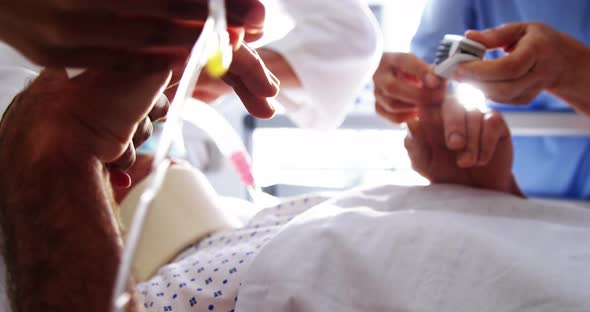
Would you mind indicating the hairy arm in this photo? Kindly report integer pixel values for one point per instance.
(574, 82)
(62, 244)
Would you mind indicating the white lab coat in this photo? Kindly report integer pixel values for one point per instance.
(334, 48)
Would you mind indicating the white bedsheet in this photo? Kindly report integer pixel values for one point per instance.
(438, 248)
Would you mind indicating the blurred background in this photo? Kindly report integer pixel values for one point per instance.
(365, 150)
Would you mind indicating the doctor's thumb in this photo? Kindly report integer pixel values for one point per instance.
(503, 36)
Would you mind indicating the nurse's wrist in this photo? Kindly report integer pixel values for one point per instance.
(573, 81)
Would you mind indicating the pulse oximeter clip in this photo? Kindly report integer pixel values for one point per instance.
(452, 51)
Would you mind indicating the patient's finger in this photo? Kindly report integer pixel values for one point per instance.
(160, 109)
(396, 118)
(454, 122)
(141, 168)
(404, 90)
(494, 129)
(414, 66)
(120, 179)
(143, 132)
(392, 105)
(468, 157)
(417, 147)
(126, 160)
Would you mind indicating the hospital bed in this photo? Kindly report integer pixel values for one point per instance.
(520, 123)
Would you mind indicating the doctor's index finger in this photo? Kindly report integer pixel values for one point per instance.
(249, 69)
(500, 37)
(509, 67)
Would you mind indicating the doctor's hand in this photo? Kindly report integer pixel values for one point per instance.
(448, 144)
(538, 58)
(99, 33)
(248, 76)
(402, 83)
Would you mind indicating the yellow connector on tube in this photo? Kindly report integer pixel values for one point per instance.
(219, 62)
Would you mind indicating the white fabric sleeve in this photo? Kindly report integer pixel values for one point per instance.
(334, 48)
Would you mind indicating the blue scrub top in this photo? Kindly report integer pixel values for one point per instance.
(544, 166)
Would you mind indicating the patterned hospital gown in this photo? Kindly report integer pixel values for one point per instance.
(206, 276)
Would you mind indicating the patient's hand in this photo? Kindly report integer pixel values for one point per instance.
(451, 145)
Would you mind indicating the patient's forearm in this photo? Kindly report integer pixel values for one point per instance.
(61, 242)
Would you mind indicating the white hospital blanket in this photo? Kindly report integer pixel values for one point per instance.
(437, 248)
